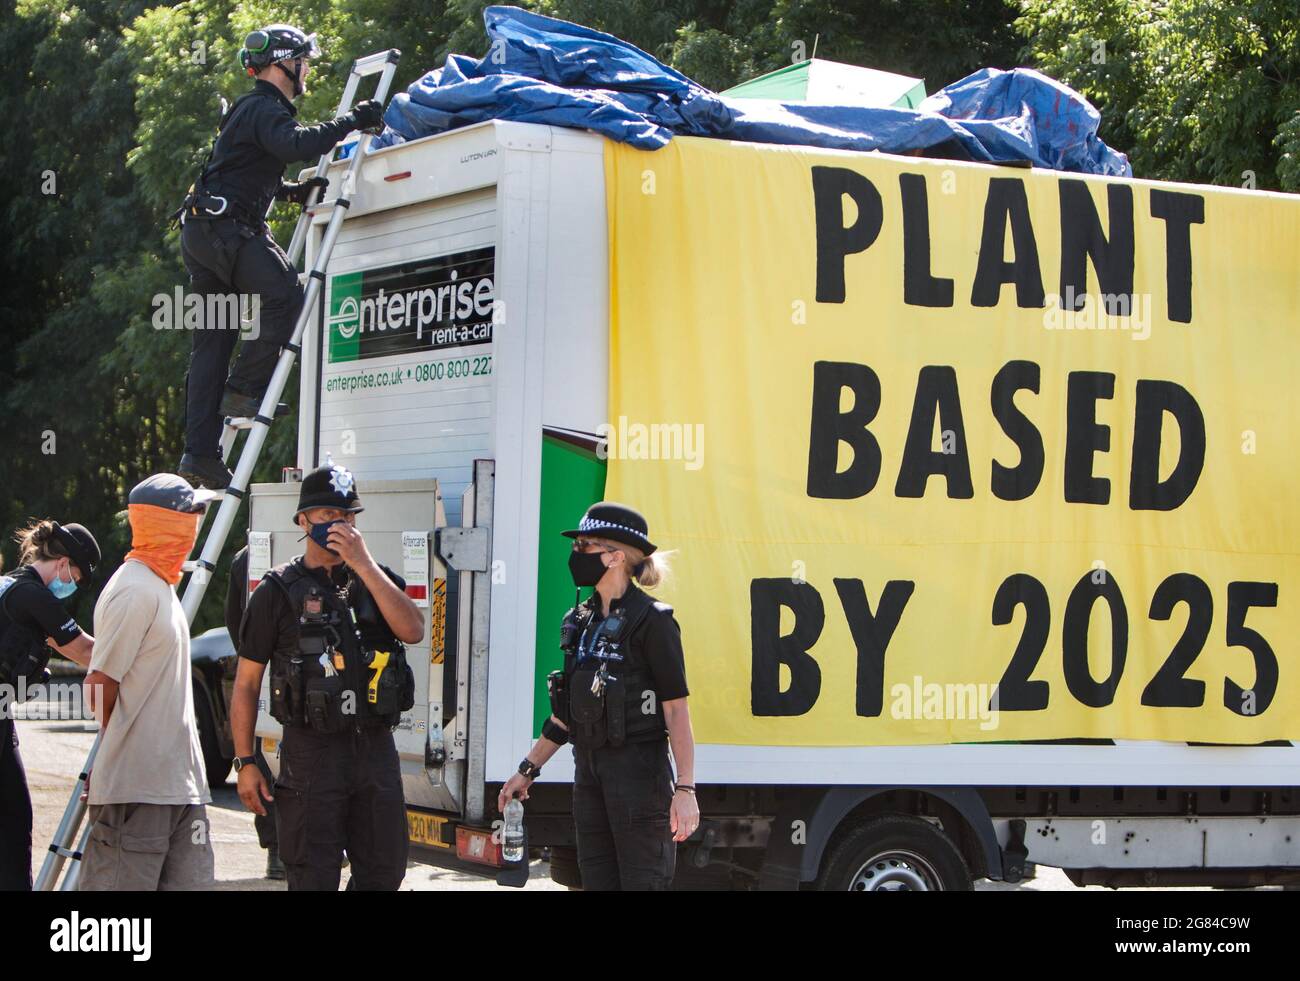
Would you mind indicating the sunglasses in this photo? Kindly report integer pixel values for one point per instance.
(586, 545)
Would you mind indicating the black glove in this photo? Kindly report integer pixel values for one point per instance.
(367, 115)
(298, 193)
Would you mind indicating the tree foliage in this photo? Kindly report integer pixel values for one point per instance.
(1194, 90)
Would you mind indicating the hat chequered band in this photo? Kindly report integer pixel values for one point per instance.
(595, 524)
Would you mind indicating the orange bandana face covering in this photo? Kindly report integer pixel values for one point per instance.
(162, 538)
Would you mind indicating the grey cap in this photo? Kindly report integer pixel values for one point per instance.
(166, 490)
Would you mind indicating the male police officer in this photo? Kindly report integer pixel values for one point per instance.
(331, 623)
(227, 247)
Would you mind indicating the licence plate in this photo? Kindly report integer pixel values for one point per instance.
(426, 829)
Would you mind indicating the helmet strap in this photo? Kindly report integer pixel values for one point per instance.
(295, 76)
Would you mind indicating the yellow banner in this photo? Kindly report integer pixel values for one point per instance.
(959, 453)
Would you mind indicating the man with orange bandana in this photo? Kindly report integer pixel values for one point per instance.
(149, 827)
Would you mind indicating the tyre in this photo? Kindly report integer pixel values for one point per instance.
(216, 765)
(894, 853)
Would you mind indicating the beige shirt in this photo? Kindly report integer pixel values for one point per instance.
(149, 753)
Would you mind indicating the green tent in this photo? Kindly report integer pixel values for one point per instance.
(833, 83)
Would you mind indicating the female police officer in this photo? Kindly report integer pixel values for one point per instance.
(55, 559)
(622, 691)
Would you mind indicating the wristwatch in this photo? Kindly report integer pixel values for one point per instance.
(529, 769)
(243, 761)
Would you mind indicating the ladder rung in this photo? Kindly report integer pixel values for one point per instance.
(248, 422)
(375, 62)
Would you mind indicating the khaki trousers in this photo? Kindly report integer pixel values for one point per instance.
(147, 847)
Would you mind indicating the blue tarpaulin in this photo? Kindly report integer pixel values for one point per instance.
(542, 70)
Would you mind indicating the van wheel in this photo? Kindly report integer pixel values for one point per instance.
(215, 764)
(894, 853)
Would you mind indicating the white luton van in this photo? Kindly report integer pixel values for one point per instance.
(460, 367)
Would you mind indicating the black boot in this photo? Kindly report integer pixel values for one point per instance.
(237, 405)
(274, 867)
(205, 471)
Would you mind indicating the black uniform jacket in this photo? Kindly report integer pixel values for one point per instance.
(259, 137)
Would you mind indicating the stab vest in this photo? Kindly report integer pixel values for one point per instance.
(371, 683)
(618, 713)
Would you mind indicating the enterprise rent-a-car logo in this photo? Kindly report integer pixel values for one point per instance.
(422, 305)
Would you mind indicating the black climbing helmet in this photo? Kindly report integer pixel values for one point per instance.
(278, 42)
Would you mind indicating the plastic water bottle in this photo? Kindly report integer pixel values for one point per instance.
(512, 835)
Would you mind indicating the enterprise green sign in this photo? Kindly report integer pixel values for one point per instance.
(413, 307)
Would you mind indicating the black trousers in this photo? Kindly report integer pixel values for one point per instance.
(337, 791)
(15, 814)
(223, 257)
(621, 797)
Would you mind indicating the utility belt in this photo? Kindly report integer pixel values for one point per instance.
(205, 206)
(304, 694)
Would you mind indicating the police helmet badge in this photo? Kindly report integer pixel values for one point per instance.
(341, 480)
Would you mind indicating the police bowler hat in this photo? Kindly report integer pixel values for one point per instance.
(617, 522)
(330, 486)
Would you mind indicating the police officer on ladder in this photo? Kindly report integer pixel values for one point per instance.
(331, 624)
(621, 698)
(227, 247)
(56, 559)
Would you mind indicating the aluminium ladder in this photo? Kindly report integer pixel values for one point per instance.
(384, 64)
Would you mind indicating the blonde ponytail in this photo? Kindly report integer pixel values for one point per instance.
(649, 571)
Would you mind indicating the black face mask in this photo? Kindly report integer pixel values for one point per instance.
(586, 568)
